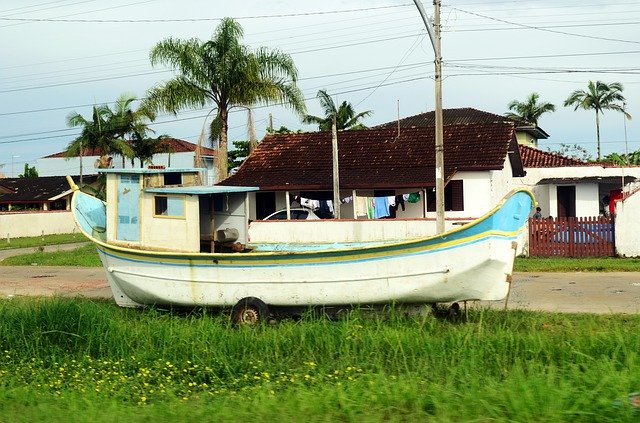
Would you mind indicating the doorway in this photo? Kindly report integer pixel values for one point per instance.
(567, 201)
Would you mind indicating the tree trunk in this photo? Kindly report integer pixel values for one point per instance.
(222, 166)
(598, 132)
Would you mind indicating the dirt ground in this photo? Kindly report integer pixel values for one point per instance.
(617, 292)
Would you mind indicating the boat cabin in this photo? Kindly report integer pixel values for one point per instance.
(168, 209)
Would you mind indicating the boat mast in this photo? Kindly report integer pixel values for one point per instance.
(436, 43)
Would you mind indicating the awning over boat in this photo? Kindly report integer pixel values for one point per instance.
(200, 189)
(154, 170)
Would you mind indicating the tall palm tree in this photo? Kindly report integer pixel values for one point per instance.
(529, 110)
(225, 73)
(599, 96)
(346, 117)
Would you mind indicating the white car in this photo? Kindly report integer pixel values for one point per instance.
(298, 213)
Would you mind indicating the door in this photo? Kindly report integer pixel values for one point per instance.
(566, 201)
(128, 208)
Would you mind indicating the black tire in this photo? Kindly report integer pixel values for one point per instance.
(249, 311)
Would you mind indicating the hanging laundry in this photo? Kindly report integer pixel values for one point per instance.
(381, 207)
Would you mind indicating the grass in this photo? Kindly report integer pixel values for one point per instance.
(84, 256)
(79, 360)
(38, 241)
(588, 264)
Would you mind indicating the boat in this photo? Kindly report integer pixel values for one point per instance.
(165, 240)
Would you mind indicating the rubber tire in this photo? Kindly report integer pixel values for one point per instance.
(249, 311)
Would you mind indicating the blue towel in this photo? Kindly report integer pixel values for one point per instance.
(381, 205)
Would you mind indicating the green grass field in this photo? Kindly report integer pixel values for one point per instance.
(78, 360)
(41, 241)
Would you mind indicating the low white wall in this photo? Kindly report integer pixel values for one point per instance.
(627, 230)
(328, 231)
(21, 224)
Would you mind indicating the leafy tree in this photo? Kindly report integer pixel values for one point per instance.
(574, 151)
(623, 159)
(599, 96)
(239, 154)
(346, 117)
(529, 110)
(225, 73)
(282, 130)
(29, 172)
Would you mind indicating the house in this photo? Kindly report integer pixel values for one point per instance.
(526, 133)
(183, 155)
(37, 206)
(40, 193)
(383, 161)
(567, 187)
(563, 186)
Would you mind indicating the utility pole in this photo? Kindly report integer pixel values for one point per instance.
(336, 173)
(435, 36)
(270, 123)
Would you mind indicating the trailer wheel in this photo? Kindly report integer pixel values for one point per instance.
(249, 311)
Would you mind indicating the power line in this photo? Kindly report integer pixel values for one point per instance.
(281, 15)
(545, 29)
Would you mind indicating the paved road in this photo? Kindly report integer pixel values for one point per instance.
(617, 292)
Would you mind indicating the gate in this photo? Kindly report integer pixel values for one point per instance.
(572, 237)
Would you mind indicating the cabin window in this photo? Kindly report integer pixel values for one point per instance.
(172, 178)
(169, 206)
(453, 197)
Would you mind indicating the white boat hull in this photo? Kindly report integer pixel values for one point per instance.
(474, 262)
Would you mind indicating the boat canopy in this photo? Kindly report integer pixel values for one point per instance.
(200, 189)
(153, 170)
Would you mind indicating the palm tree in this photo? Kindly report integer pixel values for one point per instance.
(346, 117)
(225, 73)
(128, 125)
(145, 148)
(529, 110)
(94, 134)
(599, 96)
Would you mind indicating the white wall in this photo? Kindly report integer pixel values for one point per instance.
(587, 200)
(20, 224)
(627, 230)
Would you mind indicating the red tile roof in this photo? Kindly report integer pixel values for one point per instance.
(532, 157)
(374, 158)
(179, 146)
(463, 116)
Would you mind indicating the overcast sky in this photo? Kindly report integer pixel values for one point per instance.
(62, 56)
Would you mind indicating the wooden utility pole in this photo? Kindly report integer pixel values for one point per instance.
(336, 173)
(435, 37)
(439, 125)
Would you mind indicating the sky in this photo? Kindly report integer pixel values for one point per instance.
(60, 57)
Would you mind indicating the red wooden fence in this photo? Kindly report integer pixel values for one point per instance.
(572, 237)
